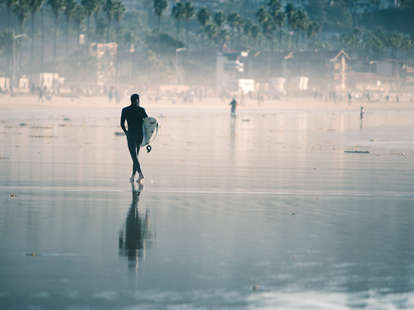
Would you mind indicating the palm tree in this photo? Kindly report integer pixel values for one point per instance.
(234, 21)
(6, 45)
(300, 23)
(89, 6)
(9, 4)
(159, 7)
(22, 10)
(108, 9)
(189, 12)
(99, 23)
(219, 18)
(267, 24)
(254, 32)
(290, 13)
(203, 17)
(211, 32)
(70, 7)
(78, 18)
(57, 6)
(279, 20)
(34, 6)
(178, 12)
(273, 7)
(261, 15)
(312, 29)
(271, 19)
(118, 11)
(247, 26)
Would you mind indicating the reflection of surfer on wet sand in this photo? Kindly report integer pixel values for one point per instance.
(134, 232)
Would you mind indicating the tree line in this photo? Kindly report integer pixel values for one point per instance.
(61, 25)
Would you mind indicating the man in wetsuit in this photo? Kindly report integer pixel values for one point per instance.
(134, 114)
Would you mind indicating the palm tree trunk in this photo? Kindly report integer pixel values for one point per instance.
(32, 49)
(67, 36)
(42, 48)
(78, 26)
(186, 33)
(280, 40)
(177, 30)
(8, 19)
(297, 41)
(108, 30)
(87, 32)
(272, 49)
(19, 50)
(54, 43)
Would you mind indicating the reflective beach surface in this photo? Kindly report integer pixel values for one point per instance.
(273, 209)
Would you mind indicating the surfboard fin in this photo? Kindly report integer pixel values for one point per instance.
(149, 148)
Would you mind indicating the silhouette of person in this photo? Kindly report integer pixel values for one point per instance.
(134, 114)
(361, 116)
(134, 232)
(233, 104)
(349, 98)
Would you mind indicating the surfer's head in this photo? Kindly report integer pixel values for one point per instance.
(134, 99)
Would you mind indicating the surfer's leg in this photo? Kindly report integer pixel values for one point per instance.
(140, 175)
(132, 146)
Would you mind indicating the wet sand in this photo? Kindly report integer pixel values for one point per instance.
(263, 211)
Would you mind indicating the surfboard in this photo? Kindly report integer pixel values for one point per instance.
(149, 129)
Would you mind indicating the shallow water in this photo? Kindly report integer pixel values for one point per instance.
(260, 212)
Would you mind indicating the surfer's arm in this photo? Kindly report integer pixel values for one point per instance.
(123, 122)
(144, 114)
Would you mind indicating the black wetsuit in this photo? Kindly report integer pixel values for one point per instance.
(134, 116)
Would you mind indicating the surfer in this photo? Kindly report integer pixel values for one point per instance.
(233, 104)
(134, 114)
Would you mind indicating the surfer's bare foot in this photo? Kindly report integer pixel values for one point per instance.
(140, 178)
(131, 179)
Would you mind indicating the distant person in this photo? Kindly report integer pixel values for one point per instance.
(361, 117)
(349, 98)
(361, 113)
(233, 104)
(41, 94)
(134, 115)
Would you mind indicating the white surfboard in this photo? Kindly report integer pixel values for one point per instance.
(149, 129)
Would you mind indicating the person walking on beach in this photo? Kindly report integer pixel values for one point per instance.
(233, 104)
(361, 113)
(134, 115)
(40, 90)
(361, 116)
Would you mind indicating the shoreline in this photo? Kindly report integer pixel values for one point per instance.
(303, 104)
